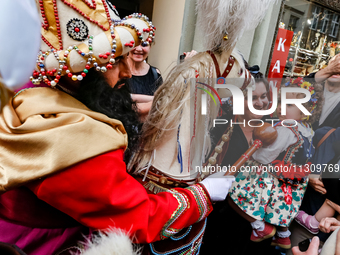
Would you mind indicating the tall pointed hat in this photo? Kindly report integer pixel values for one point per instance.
(81, 34)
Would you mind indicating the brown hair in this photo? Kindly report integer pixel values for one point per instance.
(259, 77)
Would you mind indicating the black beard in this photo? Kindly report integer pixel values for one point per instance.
(116, 103)
(121, 82)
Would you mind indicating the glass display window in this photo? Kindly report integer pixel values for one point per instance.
(316, 36)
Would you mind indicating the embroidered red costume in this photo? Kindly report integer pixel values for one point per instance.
(82, 174)
(99, 193)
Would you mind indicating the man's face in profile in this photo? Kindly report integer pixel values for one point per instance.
(119, 72)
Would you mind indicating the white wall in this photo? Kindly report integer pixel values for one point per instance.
(244, 44)
(168, 18)
(263, 38)
(176, 32)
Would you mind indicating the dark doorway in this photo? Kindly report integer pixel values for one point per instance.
(128, 7)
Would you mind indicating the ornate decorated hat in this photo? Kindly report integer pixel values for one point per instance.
(81, 34)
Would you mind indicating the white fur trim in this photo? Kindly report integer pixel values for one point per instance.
(114, 242)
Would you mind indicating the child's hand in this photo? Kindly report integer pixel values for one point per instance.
(317, 185)
(329, 224)
(333, 68)
(312, 250)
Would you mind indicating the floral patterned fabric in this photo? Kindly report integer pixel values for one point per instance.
(267, 196)
(262, 196)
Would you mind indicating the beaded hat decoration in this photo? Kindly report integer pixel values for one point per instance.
(81, 34)
(305, 85)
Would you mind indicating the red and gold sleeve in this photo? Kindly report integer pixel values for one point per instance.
(100, 194)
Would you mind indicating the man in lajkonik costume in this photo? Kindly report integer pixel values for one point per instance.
(175, 137)
(62, 143)
(221, 24)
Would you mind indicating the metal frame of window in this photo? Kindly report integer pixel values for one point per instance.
(315, 21)
(334, 26)
(325, 21)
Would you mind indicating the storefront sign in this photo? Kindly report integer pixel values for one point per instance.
(280, 53)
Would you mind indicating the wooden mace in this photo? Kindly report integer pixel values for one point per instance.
(264, 135)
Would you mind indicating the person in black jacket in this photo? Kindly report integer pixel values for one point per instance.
(330, 75)
(319, 189)
(145, 79)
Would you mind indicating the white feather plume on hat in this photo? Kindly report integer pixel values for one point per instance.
(217, 18)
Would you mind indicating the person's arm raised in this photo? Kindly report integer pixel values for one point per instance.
(332, 68)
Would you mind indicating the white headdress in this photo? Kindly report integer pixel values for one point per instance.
(220, 18)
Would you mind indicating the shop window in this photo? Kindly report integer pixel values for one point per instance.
(293, 22)
(315, 18)
(325, 22)
(316, 36)
(334, 26)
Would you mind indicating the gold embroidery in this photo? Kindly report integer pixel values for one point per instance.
(97, 16)
(51, 34)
